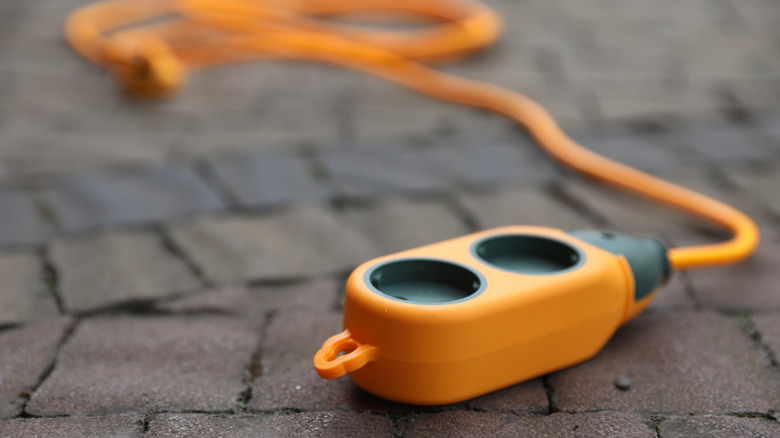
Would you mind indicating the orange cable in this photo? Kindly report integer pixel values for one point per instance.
(149, 45)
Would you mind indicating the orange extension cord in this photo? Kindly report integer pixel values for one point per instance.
(150, 44)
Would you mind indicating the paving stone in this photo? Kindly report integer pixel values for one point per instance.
(302, 241)
(43, 141)
(760, 186)
(768, 326)
(673, 295)
(395, 225)
(689, 362)
(265, 180)
(488, 424)
(112, 268)
(369, 173)
(750, 285)
(489, 164)
(304, 424)
(110, 426)
(644, 152)
(630, 213)
(122, 364)
(20, 221)
(33, 348)
(725, 144)
(315, 296)
(98, 200)
(23, 295)
(524, 398)
(522, 205)
(718, 427)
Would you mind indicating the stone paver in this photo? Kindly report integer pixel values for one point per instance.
(725, 144)
(361, 174)
(265, 180)
(98, 200)
(718, 427)
(761, 186)
(478, 424)
(397, 224)
(27, 352)
(302, 241)
(523, 205)
(768, 326)
(676, 363)
(112, 268)
(109, 426)
(750, 285)
(649, 153)
(630, 213)
(20, 221)
(23, 294)
(305, 424)
(131, 364)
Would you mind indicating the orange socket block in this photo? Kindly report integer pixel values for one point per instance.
(457, 319)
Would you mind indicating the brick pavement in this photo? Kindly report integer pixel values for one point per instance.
(169, 269)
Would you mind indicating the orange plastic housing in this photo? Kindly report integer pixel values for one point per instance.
(512, 323)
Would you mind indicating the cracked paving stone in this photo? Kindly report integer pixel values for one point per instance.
(300, 241)
(523, 205)
(23, 294)
(686, 362)
(489, 424)
(20, 221)
(304, 424)
(266, 180)
(110, 426)
(366, 173)
(399, 224)
(749, 285)
(134, 364)
(99, 200)
(33, 347)
(113, 268)
(768, 325)
(718, 427)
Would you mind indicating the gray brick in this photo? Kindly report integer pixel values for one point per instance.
(288, 380)
(705, 360)
(23, 296)
(263, 180)
(113, 268)
(760, 187)
(524, 398)
(316, 296)
(20, 221)
(304, 424)
(647, 153)
(750, 285)
(134, 364)
(99, 200)
(718, 427)
(487, 164)
(768, 326)
(396, 224)
(298, 242)
(489, 424)
(110, 426)
(725, 144)
(369, 173)
(522, 205)
(631, 213)
(33, 348)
